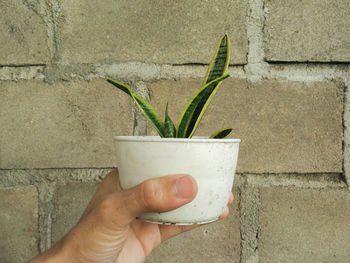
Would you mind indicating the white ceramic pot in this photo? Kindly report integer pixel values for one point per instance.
(212, 162)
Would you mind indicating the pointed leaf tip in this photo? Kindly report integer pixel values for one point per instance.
(169, 127)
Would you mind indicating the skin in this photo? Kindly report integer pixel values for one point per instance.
(108, 230)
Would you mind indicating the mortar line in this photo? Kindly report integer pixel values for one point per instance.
(301, 72)
(139, 120)
(277, 174)
(321, 182)
(286, 66)
(56, 168)
(21, 65)
(52, 23)
(45, 208)
(238, 172)
(249, 209)
(316, 180)
(343, 134)
(32, 177)
(321, 63)
(21, 73)
(254, 70)
(345, 147)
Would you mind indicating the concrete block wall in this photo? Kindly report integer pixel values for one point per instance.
(287, 99)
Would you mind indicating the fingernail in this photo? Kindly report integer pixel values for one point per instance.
(184, 187)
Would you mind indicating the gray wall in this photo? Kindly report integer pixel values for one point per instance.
(287, 100)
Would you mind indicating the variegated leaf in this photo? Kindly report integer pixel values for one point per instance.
(169, 127)
(199, 101)
(220, 134)
(143, 105)
(191, 116)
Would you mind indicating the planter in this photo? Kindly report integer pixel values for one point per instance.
(212, 162)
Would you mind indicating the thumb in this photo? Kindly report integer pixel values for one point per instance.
(155, 195)
(161, 194)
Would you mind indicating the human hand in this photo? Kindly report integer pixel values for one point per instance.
(108, 230)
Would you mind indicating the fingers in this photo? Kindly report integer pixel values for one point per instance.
(227, 210)
(230, 200)
(154, 195)
(225, 213)
(167, 232)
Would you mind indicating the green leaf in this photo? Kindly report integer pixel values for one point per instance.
(220, 134)
(121, 86)
(145, 107)
(218, 66)
(169, 127)
(220, 62)
(199, 101)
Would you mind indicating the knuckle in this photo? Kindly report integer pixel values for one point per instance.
(152, 194)
(106, 207)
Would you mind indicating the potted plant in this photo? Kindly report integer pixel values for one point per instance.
(211, 161)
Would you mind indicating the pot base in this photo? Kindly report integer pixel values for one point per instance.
(177, 224)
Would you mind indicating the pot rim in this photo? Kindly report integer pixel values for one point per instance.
(196, 139)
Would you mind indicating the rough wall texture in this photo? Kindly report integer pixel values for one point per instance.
(287, 100)
(316, 30)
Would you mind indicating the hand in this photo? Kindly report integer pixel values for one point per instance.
(108, 230)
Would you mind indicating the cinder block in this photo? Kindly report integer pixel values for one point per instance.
(18, 224)
(304, 225)
(70, 201)
(68, 124)
(307, 30)
(215, 242)
(23, 35)
(154, 31)
(284, 126)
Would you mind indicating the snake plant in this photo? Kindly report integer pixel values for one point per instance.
(196, 107)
